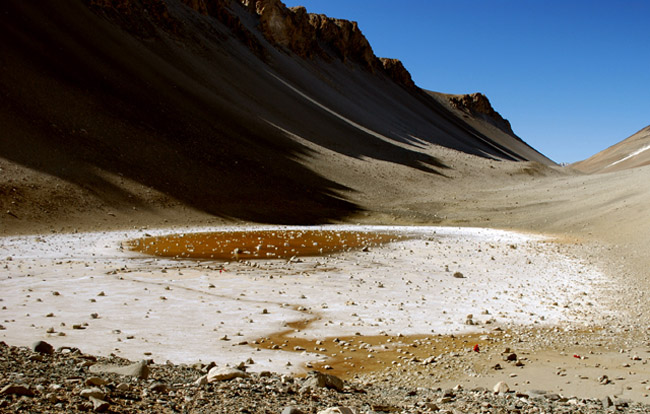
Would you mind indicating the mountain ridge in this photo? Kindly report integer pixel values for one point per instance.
(632, 152)
(195, 104)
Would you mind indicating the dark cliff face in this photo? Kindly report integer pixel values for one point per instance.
(293, 29)
(219, 104)
(397, 72)
(478, 104)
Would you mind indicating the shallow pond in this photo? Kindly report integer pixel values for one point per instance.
(260, 244)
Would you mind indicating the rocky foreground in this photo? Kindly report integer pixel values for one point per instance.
(66, 380)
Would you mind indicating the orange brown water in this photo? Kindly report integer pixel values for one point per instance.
(348, 356)
(259, 244)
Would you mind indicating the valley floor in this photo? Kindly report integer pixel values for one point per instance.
(586, 238)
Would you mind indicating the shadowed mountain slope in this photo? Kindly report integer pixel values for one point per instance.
(217, 104)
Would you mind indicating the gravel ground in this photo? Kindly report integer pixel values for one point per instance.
(66, 380)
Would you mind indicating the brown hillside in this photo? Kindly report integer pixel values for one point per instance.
(216, 105)
(630, 153)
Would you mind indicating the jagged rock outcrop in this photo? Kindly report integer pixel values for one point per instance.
(286, 27)
(309, 35)
(293, 29)
(397, 72)
(477, 104)
(344, 39)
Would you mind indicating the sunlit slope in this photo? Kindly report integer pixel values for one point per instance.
(630, 153)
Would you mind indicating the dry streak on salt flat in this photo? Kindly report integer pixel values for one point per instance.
(186, 311)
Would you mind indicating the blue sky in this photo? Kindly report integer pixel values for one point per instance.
(573, 77)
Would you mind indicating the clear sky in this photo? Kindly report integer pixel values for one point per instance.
(572, 77)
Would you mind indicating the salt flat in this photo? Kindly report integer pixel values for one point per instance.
(189, 311)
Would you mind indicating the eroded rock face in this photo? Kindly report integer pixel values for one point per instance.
(397, 72)
(478, 104)
(344, 38)
(289, 28)
(309, 35)
(293, 29)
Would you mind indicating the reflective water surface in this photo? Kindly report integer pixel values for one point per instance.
(259, 244)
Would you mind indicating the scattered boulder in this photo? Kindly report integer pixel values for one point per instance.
(607, 402)
(202, 380)
(42, 347)
(123, 387)
(501, 388)
(99, 405)
(225, 374)
(95, 381)
(319, 380)
(139, 369)
(93, 392)
(158, 387)
(15, 389)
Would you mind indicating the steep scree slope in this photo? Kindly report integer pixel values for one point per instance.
(212, 102)
(632, 152)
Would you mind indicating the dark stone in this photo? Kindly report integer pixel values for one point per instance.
(42, 347)
(319, 380)
(17, 390)
(158, 387)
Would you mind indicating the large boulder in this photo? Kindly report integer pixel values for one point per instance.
(319, 380)
(225, 374)
(42, 347)
(138, 369)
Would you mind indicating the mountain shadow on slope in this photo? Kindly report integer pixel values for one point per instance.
(81, 99)
(194, 99)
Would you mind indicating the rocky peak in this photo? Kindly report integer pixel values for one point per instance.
(477, 104)
(344, 39)
(284, 27)
(310, 35)
(293, 29)
(396, 70)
